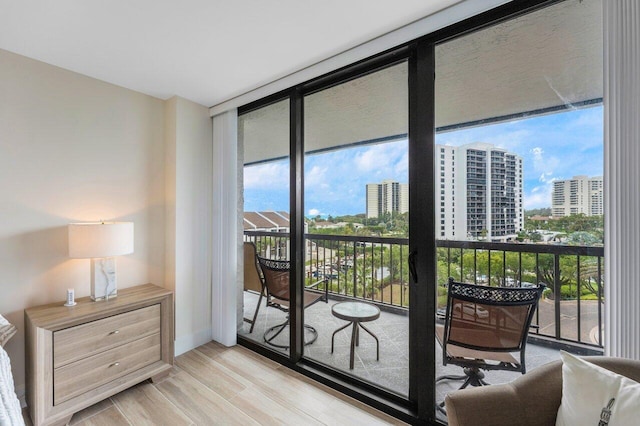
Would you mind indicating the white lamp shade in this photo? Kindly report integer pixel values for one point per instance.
(100, 239)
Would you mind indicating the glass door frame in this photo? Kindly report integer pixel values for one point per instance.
(346, 383)
(420, 54)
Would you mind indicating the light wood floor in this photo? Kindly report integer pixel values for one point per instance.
(213, 385)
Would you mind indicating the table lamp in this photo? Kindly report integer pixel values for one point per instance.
(100, 242)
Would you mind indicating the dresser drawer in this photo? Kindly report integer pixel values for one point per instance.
(88, 339)
(81, 376)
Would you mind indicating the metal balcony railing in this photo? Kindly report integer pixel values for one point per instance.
(375, 269)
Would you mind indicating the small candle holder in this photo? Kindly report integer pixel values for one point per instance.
(70, 298)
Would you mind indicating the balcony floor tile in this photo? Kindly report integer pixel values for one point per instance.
(392, 371)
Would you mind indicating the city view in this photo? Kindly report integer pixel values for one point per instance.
(357, 209)
(549, 150)
(548, 227)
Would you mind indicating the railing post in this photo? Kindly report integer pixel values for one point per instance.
(355, 270)
(475, 266)
(578, 307)
(504, 268)
(600, 342)
(489, 267)
(556, 292)
(270, 243)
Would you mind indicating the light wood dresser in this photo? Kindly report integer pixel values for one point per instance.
(77, 356)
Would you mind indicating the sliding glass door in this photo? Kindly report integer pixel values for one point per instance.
(264, 136)
(379, 181)
(356, 201)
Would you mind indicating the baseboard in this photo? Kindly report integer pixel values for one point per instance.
(186, 343)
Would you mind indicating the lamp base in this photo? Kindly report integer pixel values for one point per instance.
(103, 278)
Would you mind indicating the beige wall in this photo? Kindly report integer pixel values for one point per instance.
(189, 187)
(72, 148)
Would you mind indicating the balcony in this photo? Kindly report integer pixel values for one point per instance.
(373, 269)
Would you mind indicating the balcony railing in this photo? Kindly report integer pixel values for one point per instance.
(375, 269)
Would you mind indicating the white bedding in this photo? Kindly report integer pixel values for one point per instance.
(10, 411)
(7, 330)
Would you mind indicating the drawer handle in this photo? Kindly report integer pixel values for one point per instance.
(115, 364)
(115, 332)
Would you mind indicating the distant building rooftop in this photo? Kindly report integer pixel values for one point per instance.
(266, 221)
(539, 217)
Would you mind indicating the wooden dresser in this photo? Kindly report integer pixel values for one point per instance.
(77, 356)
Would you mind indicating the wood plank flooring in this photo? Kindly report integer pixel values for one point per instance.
(213, 385)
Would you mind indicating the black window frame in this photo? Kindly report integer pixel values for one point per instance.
(420, 406)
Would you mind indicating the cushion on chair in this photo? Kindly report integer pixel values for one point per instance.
(588, 390)
(472, 354)
(530, 400)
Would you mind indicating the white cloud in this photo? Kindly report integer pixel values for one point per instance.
(546, 177)
(273, 175)
(543, 164)
(402, 165)
(383, 161)
(592, 118)
(314, 212)
(316, 176)
(539, 197)
(369, 160)
(537, 153)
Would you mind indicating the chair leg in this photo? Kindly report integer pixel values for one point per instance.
(255, 314)
(278, 327)
(281, 327)
(466, 383)
(451, 377)
(313, 332)
(472, 377)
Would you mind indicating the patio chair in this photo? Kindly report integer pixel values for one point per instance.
(483, 326)
(275, 274)
(252, 279)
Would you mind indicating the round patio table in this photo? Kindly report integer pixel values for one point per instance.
(356, 313)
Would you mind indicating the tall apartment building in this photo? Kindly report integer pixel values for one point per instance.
(478, 193)
(578, 195)
(387, 197)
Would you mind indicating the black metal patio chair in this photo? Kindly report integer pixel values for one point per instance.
(483, 326)
(275, 275)
(252, 279)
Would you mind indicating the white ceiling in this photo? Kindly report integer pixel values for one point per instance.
(206, 51)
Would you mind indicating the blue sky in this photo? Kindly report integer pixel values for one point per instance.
(555, 146)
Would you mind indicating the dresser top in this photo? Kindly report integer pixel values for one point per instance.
(55, 316)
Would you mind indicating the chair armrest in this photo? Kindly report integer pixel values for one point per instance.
(317, 283)
(495, 405)
(530, 400)
(326, 287)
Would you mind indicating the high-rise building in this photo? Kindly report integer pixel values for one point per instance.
(387, 197)
(578, 195)
(479, 191)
